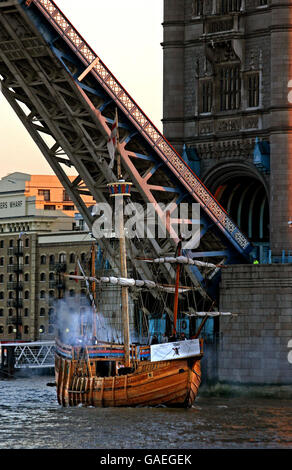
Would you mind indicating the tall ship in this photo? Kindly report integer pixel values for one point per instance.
(163, 370)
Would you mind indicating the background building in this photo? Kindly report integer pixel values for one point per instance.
(39, 238)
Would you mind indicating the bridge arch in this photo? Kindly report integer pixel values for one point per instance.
(243, 192)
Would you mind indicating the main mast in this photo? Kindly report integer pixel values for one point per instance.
(175, 307)
(119, 190)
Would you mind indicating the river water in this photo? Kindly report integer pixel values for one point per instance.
(30, 418)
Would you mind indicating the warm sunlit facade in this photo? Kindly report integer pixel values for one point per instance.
(50, 194)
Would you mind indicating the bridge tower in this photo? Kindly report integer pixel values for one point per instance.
(227, 66)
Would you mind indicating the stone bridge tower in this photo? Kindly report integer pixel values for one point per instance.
(227, 67)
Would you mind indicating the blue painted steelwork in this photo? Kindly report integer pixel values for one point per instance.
(261, 155)
(192, 159)
(158, 326)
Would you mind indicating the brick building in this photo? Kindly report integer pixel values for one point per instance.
(39, 236)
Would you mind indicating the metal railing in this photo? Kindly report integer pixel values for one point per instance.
(36, 355)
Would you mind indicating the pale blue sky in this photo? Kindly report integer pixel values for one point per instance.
(126, 35)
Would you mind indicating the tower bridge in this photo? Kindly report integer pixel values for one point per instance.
(66, 98)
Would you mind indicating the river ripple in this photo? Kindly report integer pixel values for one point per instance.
(30, 418)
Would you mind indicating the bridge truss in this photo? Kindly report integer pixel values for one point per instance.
(66, 98)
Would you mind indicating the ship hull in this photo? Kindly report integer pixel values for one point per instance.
(170, 383)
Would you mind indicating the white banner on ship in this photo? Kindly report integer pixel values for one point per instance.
(178, 350)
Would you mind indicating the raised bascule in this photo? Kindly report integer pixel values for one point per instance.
(66, 98)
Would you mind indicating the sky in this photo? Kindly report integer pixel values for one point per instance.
(127, 36)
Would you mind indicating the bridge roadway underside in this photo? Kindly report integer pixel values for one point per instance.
(41, 59)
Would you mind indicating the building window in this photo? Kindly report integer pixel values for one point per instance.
(43, 259)
(46, 193)
(26, 260)
(62, 258)
(68, 208)
(1, 278)
(66, 197)
(42, 277)
(26, 329)
(10, 312)
(2, 244)
(1, 312)
(10, 329)
(26, 277)
(72, 258)
(72, 293)
(26, 294)
(52, 276)
(253, 90)
(230, 87)
(27, 242)
(229, 6)
(51, 316)
(1, 329)
(42, 312)
(206, 96)
(43, 294)
(26, 312)
(198, 7)
(49, 207)
(1, 295)
(1, 261)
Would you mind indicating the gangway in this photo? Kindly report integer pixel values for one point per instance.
(66, 98)
(32, 355)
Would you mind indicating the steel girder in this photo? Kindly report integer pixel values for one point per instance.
(41, 58)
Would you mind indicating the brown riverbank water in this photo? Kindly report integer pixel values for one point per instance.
(30, 418)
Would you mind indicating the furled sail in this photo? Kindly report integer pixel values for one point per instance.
(126, 282)
(181, 260)
(210, 314)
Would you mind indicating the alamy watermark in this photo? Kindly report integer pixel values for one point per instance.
(150, 221)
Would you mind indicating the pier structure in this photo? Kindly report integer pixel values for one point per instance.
(21, 355)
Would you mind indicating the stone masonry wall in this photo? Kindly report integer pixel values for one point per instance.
(253, 345)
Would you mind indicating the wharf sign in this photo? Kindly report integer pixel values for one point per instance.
(12, 207)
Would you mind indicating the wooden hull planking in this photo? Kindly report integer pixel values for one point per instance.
(170, 383)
